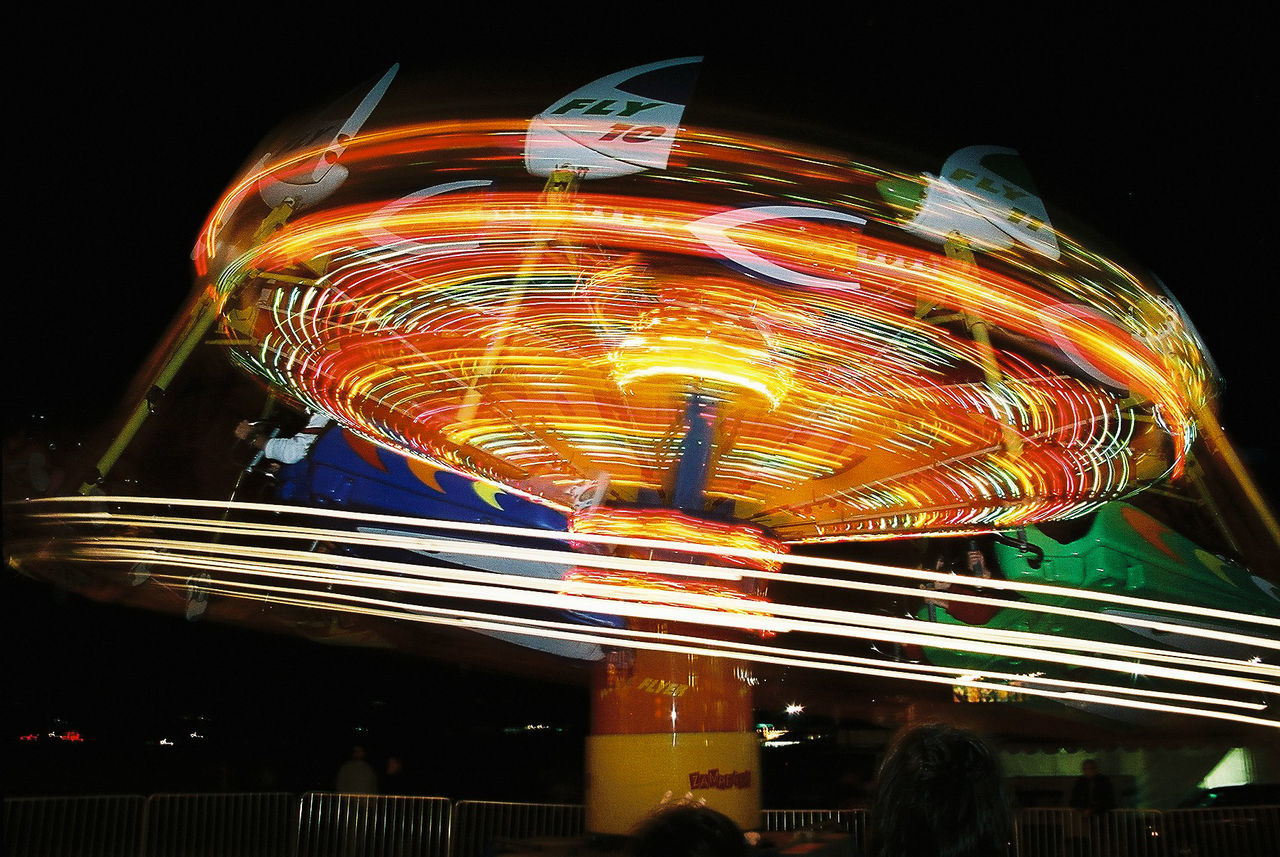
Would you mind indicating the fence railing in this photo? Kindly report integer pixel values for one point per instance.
(248, 824)
(1064, 833)
(337, 825)
(851, 821)
(481, 826)
(92, 826)
(321, 824)
(1237, 831)
(785, 820)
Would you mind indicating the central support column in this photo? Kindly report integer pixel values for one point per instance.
(665, 725)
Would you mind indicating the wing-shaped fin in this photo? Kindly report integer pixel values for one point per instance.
(986, 195)
(319, 177)
(622, 123)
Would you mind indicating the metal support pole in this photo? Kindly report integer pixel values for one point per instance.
(205, 314)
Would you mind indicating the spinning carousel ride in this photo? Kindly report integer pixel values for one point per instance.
(691, 350)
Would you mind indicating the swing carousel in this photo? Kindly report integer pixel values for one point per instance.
(663, 358)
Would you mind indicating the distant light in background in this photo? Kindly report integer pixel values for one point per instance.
(1233, 769)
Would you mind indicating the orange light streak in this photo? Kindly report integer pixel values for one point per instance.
(850, 413)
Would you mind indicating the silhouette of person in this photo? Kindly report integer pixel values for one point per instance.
(939, 791)
(688, 830)
(356, 776)
(395, 780)
(1093, 797)
(965, 611)
(1091, 793)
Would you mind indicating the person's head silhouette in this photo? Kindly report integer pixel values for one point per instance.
(688, 830)
(939, 794)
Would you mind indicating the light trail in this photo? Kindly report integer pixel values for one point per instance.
(131, 537)
(427, 544)
(688, 608)
(868, 418)
(221, 506)
(620, 633)
(515, 581)
(693, 645)
(830, 621)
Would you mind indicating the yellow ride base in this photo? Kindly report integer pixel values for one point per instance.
(629, 776)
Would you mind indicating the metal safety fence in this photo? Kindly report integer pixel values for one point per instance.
(487, 827)
(1237, 831)
(1066, 833)
(322, 824)
(89, 826)
(248, 824)
(819, 821)
(851, 821)
(338, 825)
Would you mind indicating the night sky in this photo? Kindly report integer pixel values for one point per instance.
(1148, 132)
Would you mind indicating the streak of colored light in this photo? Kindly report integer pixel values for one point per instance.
(874, 424)
(695, 645)
(508, 532)
(736, 542)
(622, 601)
(675, 606)
(638, 570)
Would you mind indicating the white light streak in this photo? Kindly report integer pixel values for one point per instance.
(241, 566)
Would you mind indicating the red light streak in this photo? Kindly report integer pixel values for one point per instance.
(537, 344)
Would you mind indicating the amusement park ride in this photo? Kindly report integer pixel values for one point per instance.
(595, 375)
